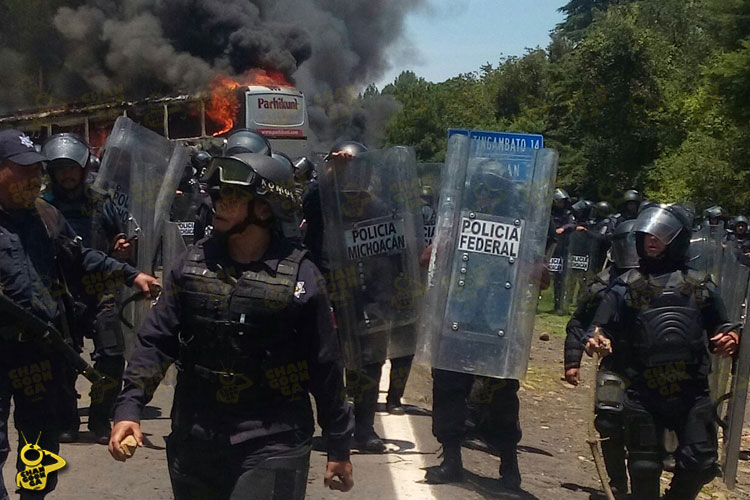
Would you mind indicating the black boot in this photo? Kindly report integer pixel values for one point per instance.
(510, 475)
(452, 468)
(686, 485)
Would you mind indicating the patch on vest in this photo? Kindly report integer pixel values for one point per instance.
(299, 290)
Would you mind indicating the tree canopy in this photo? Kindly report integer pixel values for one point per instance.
(645, 94)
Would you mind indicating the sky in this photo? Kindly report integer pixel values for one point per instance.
(459, 36)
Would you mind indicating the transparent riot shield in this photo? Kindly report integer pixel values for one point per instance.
(141, 171)
(373, 233)
(706, 250)
(582, 257)
(487, 260)
(429, 180)
(184, 214)
(729, 378)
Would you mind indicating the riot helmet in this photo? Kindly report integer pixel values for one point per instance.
(351, 148)
(603, 209)
(490, 187)
(631, 202)
(66, 148)
(560, 195)
(200, 160)
(671, 224)
(245, 140)
(624, 251)
(427, 195)
(284, 160)
(257, 176)
(714, 212)
(583, 209)
(560, 199)
(740, 225)
(304, 168)
(94, 163)
(632, 195)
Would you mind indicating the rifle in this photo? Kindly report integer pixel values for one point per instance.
(45, 332)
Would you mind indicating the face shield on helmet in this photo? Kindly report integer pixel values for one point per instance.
(582, 209)
(303, 168)
(347, 148)
(670, 224)
(659, 222)
(66, 149)
(560, 195)
(624, 251)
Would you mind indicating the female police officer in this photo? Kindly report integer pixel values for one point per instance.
(245, 316)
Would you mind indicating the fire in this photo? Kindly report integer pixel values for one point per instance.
(224, 105)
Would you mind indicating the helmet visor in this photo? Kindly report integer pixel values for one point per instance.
(66, 148)
(658, 222)
(624, 251)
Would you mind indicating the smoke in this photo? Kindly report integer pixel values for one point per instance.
(330, 48)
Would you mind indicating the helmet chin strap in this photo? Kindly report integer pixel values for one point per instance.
(249, 220)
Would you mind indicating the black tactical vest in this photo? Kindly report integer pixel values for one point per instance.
(85, 216)
(238, 342)
(668, 324)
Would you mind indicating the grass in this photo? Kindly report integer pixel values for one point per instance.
(546, 318)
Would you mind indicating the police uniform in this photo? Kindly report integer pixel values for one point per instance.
(250, 342)
(661, 316)
(93, 218)
(30, 276)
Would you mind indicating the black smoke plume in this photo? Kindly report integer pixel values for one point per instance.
(63, 50)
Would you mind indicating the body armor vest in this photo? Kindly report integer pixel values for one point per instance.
(85, 215)
(668, 323)
(238, 342)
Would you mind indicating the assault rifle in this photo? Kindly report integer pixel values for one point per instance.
(45, 333)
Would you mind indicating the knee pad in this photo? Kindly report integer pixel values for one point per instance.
(609, 425)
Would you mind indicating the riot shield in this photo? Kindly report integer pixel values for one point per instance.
(429, 180)
(582, 256)
(184, 214)
(488, 258)
(141, 171)
(373, 232)
(706, 251)
(730, 402)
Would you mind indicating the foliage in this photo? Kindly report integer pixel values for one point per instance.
(651, 94)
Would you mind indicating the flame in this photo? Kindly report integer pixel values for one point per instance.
(224, 105)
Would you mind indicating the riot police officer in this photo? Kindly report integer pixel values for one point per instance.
(93, 217)
(245, 316)
(609, 408)
(562, 222)
(41, 253)
(666, 317)
(304, 174)
(202, 228)
(739, 236)
(629, 205)
(713, 216)
(494, 401)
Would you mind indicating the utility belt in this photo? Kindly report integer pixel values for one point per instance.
(211, 375)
